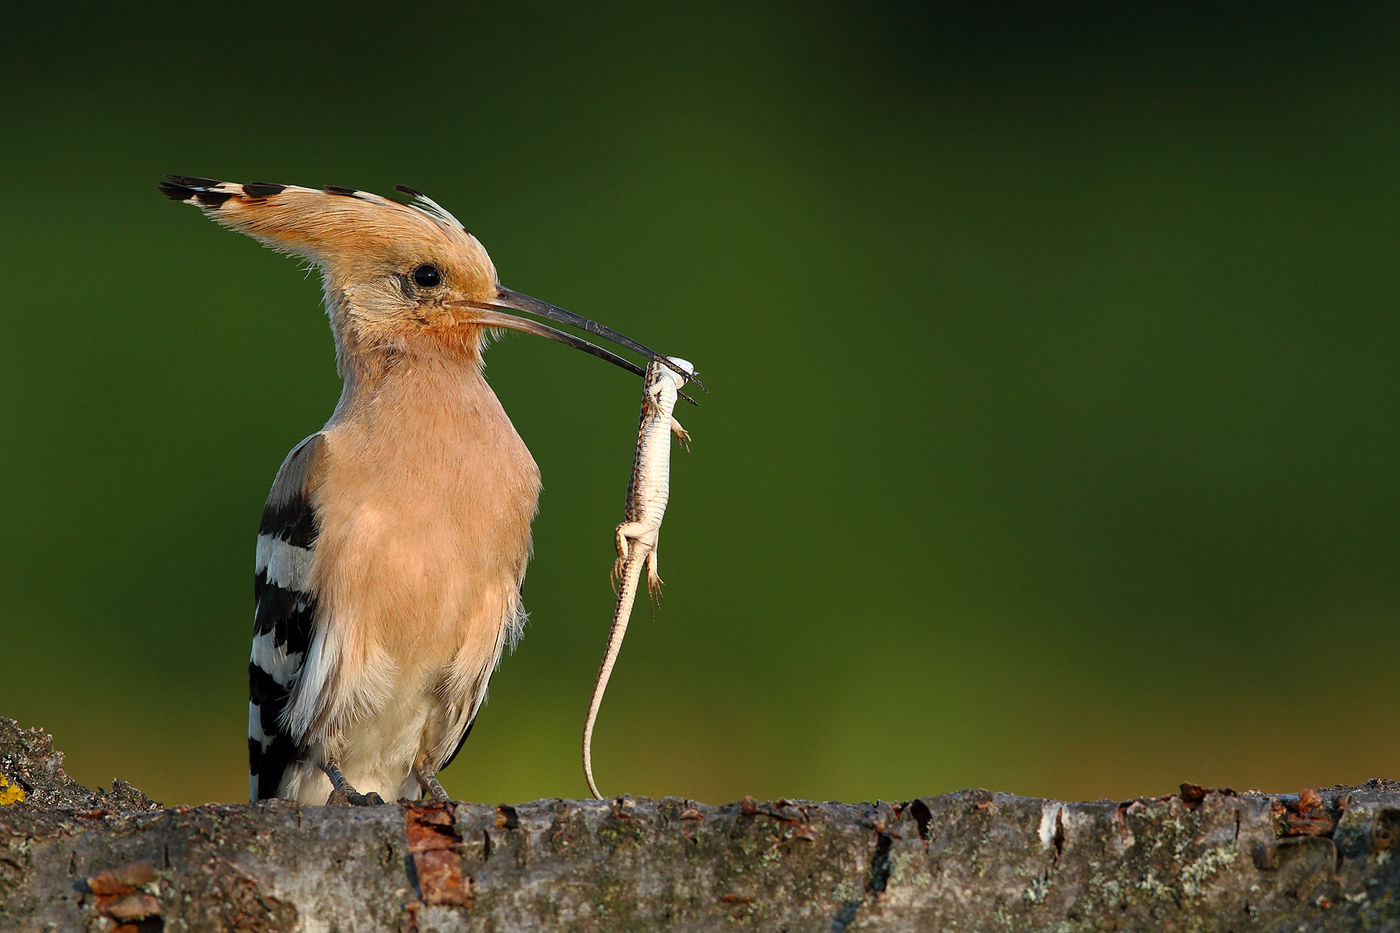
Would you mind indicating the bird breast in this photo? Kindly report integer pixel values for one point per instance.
(425, 508)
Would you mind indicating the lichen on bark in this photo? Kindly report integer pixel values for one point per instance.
(1202, 859)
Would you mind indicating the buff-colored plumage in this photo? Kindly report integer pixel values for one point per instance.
(360, 242)
(395, 540)
(424, 504)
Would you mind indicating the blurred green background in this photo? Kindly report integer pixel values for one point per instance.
(1052, 443)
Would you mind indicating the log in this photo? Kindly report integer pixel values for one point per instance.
(1204, 859)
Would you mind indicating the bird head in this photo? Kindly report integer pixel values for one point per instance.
(400, 278)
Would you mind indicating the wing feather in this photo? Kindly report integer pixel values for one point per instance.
(285, 616)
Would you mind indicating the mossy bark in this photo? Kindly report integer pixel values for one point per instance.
(1204, 859)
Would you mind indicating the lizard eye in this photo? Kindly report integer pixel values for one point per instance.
(427, 276)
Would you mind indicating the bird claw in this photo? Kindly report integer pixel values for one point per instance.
(429, 782)
(343, 792)
(348, 796)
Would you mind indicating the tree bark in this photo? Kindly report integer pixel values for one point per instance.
(1204, 859)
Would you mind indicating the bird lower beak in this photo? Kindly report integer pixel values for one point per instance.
(479, 314)
(489, 313)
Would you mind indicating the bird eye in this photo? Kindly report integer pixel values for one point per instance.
(427, 276)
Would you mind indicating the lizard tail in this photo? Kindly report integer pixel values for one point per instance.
(630, 577)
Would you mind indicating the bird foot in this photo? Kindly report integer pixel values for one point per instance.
(347, 795)
(429, 782)
(343, 792)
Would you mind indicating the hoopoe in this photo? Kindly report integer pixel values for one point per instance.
(393, 546)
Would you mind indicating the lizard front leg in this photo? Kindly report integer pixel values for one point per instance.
(681, 433)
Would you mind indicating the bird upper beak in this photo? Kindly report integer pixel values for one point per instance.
(489, 313)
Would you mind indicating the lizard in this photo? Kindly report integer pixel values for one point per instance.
(636, 537)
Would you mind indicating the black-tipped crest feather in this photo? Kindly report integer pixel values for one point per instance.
(193, 181)
(428, 206)
(262, 189)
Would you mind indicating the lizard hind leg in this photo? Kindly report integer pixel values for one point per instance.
(654, 580)
(625, 534)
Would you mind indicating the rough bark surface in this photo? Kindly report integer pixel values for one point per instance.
(1204, 859)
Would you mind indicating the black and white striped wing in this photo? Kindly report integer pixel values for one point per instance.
(284, 618)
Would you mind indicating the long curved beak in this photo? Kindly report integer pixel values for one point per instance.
(488, 318)
(511, 300)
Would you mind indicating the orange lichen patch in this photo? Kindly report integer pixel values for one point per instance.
(134, 906)
(10, 793)
(121, 880)
(1192, 794)
(506, 817)
(437, 848)
(124, 894)
(1304, 816)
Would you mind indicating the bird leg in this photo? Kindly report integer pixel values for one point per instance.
(428, 781)
(343, 792)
